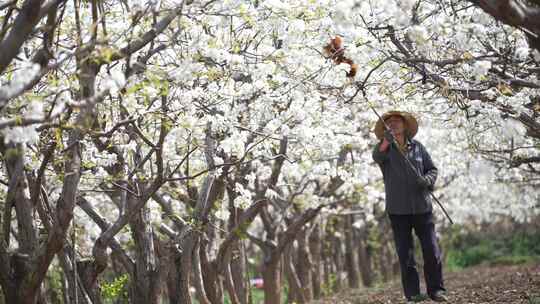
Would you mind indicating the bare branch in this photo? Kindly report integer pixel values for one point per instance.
(234, 235)
(103, 224)
(292, 230)
(23, 25)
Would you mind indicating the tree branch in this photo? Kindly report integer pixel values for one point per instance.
(234, 235)
(103, 224)
(23, 25)
(292, 230)
(138, 44)
(515, 13)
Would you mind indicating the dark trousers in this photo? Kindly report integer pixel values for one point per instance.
(424, 228)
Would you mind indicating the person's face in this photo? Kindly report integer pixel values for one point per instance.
(396, 124)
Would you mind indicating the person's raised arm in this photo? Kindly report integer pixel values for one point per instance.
(380, 153)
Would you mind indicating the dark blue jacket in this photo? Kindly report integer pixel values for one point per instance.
(403, 194)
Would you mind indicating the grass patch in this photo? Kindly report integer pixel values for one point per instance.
(514, 260)
(512, 249)
(534, 300)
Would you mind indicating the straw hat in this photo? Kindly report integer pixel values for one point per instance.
(411, 125)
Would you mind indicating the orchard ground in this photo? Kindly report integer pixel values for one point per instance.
(474, 285)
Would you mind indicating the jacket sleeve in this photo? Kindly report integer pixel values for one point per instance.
(430, 171)
(378, 156)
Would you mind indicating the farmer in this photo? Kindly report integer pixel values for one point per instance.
(408, 202)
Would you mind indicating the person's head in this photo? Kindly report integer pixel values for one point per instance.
(401, 123)
(397, 124)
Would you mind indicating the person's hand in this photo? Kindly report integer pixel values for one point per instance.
(423, 182)
(388, 136)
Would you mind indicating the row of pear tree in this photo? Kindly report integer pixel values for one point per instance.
(172, 151)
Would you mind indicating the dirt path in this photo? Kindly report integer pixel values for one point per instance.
(476, 285)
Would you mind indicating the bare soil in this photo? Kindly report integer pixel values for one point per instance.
(475, 285)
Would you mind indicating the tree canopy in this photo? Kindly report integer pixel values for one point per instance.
(137, 134)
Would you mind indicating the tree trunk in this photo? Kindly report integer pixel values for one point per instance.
(184, 295)
(173, 277)
(89, 286)
(383, 264)
(327, 266)
(197, 276)
(238, 271)
(145, 291)
(234, 267)
(272, 281)
(391, 261)
(338, 263)
(296, 295)
(365, 258)
(315, 249)
(211, 280)
(304, 265)
(350, 257)
(229, 285)
(10, 293)
(272, 252)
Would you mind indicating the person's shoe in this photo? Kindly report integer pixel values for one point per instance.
(417, 298)
(438, 296)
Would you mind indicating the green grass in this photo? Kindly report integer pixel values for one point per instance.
(514, 260)
(473, 249)
(257, 295)
(534, 300)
